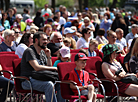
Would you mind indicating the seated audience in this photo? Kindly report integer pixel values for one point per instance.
(113, 70)
(25, 42)
(92, 46)
(67, 42)
(100, 36)
(82, 79)
(83, 42)
(63, 56)
(55, 43)
(8, 44)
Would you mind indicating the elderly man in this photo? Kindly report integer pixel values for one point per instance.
(55, 43)
(133, 33)
(36, 58)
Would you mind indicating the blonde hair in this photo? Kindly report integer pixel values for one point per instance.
(47, 26)
(93, 41)
(135, 49)
(67, 40)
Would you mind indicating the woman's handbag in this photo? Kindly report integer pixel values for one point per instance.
(45, 75)
(130, 79)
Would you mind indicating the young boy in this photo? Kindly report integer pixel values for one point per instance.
(81, 77)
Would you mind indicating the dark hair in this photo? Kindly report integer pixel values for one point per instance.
(101, 31)
(107, 58)
(37, 35)
(3, 19)
(85, 30)
(25, 39)
(25, 10)
(38, 14)
(107, 14)
(84, 51)
(55, 17)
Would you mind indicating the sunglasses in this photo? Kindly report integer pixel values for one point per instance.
(81, 56)
(17, 32)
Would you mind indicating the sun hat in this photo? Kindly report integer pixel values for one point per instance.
(29, 20)
(109, 49)
(19, 16)
(68, 30)
(80, 56)
(65, 52)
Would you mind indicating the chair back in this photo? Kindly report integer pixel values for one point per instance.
(99, 53)
(74, 50)
(53, 60)
(16, 69)
(63, 70)
(6, 63)
(72, 57)
(7, 52)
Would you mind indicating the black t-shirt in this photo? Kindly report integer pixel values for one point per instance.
(53, 48)
(28, 55)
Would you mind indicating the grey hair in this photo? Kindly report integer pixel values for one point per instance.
(52, 35)
(7, 32)
(118, 30)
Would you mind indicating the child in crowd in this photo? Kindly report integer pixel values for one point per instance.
(92, 46)
(81, 77)
(67, 42)
(64, 55)
(28, 24)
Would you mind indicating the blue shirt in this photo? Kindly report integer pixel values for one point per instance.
(130, 36)
(122, 42)
(91, 54)
(6, 24)
(56, 62)
(4, 47)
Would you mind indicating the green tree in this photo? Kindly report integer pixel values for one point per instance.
(67, 3)
(40, 3)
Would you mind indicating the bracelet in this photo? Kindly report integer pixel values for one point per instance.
(49, 57)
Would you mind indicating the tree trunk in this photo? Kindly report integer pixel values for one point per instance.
(80, 5)
(1, 4)
(53, 4)
(114, 4)
(85, 3)
(7, 4)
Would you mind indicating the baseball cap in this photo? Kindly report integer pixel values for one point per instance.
(86, 8)
(80, 56)
(19, 16)
(50, 20)
(29, 20)
(109, 49)
(134, 26)
(68, 30)
(65, 52)
(46, 14)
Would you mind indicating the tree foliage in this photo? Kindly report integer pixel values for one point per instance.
(40, 3)
(67, 3)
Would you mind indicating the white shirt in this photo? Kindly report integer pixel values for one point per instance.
(81, 43)
(20, 49)
(62, 20)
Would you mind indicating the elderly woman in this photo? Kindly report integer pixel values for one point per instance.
(8, 44)
(113, 70)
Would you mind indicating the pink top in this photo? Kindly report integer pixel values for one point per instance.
(114, 67)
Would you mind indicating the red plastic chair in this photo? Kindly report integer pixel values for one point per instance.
(74, 50)
(111, 88)
(6, 52)
(63, 70)
(17, 77)
(6, 63)
(53, 60)
(99, 53)
(72, 56)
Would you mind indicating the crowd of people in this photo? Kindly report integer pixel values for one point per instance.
(54, 34)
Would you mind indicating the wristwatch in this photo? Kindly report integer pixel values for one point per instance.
(49, 57)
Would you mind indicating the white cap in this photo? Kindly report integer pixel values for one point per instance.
(65, 52)
(68, 30)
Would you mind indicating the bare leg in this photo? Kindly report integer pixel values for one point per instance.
(132, 90)
(94, 97)
(90, 92)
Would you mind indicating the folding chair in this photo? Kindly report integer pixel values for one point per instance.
(63, 70)
(72, 57)
(111, 88)
(99, 53)
(6, 52)
(53, 60)
(6, 63)
(74, 50)
(17, 77)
